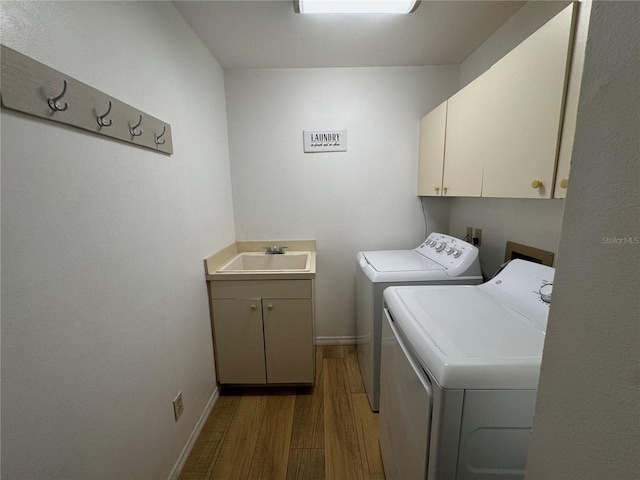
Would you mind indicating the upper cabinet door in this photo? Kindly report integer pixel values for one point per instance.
(571, 104)
(431, 159)
(527, 101)
(467, 138)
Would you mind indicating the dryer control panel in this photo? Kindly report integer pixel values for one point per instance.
(526, 287)
(457, 256)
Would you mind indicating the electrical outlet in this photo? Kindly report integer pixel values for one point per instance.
(477, 237)
(469, 236)
(178, 406)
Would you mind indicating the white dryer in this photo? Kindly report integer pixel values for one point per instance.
(460, 369)
(440, 259)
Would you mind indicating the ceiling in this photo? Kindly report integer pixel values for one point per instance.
(269, 34)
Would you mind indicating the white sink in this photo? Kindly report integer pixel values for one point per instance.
(247, 262)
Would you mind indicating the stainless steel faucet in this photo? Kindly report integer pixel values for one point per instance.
(274, 250)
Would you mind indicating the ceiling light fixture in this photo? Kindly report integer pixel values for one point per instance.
(355, 6)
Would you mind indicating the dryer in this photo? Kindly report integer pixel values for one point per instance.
(460, 369)
(440, 259)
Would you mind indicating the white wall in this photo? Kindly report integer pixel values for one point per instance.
(105, 315)
(531, 222)
(362, 199)
(587, 412)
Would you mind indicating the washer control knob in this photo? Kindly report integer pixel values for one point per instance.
(450, 250)
(441, 246)
(457, 253)
(545, 292)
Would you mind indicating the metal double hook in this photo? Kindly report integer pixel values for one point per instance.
(133, 131)
(156, 138)
(101, 118)
(53, 101)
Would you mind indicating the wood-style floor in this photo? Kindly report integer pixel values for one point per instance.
(324, 432)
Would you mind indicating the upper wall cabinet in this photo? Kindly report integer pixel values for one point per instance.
(504, 132)
(467, 138)
(431, 158)
(452, 139)
(571, 103)
(527, 103)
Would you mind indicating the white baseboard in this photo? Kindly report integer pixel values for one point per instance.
(177, 468)
(335, 340)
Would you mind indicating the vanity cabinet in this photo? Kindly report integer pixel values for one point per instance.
(263, 331)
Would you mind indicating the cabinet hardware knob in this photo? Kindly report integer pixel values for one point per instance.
(564, 183)
(253, 307)
(444, 189)
(269, 307)
(536, 184)
(437, 189)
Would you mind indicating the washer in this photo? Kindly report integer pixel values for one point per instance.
(440, 259)
(460, 369)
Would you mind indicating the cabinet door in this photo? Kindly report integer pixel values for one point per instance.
(288, 339)
(527, 100)
(467, 139)
(238, 339)
(431, 159)
(571, 104)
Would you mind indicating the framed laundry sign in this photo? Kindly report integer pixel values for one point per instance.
(325, 141)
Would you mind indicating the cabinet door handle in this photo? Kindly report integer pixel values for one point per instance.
(253, 307)
(564, 183)
(536, 184)
(437, 189)
(269, 307)
(444, 189)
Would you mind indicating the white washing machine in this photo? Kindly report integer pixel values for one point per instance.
(440, 259)
(460, 368)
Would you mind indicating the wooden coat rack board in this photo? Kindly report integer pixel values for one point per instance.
(30, 87)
